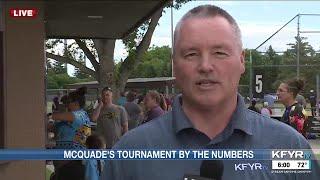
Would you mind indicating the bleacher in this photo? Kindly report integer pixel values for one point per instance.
(315, 126)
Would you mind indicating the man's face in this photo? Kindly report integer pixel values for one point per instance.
(208, 61)
(106, 97)
(149, 102)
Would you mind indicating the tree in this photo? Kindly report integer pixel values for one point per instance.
(57, 81)
(305, 49)
(100, 53)
(155, 63)
(77, 72)
(309, 63)
(271, 74)
(49, 66)
(59, 67)
(266, 64)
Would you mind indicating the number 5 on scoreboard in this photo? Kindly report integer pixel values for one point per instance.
(258, 83)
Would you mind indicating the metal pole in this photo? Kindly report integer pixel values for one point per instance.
(251, 77)
(167, 89)
(318, 93)
(172, 39)
(298, 47)
(276, 32)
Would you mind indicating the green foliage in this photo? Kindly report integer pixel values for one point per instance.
(177, 4)
(51, 44)
(59, 67)
(58, 81)
(155, 63)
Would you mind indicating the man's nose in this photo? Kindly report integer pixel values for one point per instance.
(205, 64)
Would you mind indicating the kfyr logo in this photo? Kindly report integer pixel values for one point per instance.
(249, 166)
(23, 12)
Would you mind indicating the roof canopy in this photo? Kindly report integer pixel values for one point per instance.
(131, 83)
(97, 19)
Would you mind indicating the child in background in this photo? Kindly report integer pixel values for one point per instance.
(93, 167)
(266, 109)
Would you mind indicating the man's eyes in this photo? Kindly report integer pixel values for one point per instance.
(220, 53)
(191, 54)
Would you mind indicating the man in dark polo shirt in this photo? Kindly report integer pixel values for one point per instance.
(208, 63)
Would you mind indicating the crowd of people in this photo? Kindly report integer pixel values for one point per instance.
(72, 125)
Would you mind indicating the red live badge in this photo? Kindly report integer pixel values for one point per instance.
(23, 12)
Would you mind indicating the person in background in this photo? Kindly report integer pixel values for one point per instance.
(112, 120)
(72, 129)
(122, 100)
(57, 129)
(152, 103)
(55, 104)
(163, 103)
(64, 100)
(253, 107)
(270, 99)
(93, 167)
(168, 102)
(74, 124)
(266, 110)
(301, 100)
(134, 111)
(313, 102)
(294, 115)
(140, 99)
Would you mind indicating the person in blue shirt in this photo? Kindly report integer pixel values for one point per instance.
(72, 129)
(73, 126)
(122, 100)
(208, 61)
(93, 167)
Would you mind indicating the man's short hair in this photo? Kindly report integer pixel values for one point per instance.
(105, 89)
(208, 11)
(131, 96)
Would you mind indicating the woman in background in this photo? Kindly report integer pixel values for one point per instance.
(152, 102)
(294, 114)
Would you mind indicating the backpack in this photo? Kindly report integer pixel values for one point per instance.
(297, 116)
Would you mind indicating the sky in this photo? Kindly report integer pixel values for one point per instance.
(257, 20)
